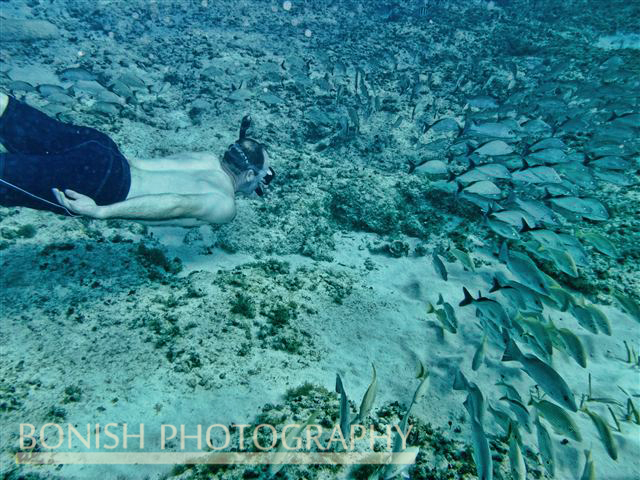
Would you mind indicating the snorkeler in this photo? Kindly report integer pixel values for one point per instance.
(73, 170)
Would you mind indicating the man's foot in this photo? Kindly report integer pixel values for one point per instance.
(4, 101)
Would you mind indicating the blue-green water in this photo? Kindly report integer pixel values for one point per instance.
(455, 203)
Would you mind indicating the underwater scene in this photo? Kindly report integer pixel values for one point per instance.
(309, 239)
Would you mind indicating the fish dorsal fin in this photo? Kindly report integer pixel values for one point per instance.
(525, 226)
(472, 164)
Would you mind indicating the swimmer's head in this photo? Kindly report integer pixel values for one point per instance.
(248, 161)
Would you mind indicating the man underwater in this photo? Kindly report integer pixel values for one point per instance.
(73, 170)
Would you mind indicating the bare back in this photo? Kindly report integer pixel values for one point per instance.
(185, 173)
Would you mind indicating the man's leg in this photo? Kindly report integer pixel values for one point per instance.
(4, 100)
(26, 180)
(24, 129)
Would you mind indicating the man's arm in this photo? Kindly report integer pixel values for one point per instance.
(209, 208)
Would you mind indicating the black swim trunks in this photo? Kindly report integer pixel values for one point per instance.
(44, 153)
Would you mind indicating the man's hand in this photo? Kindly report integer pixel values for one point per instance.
(78, 203)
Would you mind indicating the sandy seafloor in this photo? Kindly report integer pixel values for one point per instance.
(111, 321)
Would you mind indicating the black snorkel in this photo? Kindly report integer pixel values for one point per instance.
(236, 150)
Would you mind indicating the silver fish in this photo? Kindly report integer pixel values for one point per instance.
(545, 447)
(482, 102)
(449, 311)
(551, 142)
(562, 260)
(536, 209)
(541, 174)
(547, 156)
(545, 376)
(573, 346)
(503, 229)
(502, 418)
(464, 258)
(621, 179)
(494, 170)
(495, 130)
(558, 418)
(524, 270)
(484, 188)
(478, 357)
(521, 411)
(604, 432)
(584, 318)
(476, 399)
(494, 148)
(75, 74)
(444, 125)
(536, 126)
(433, 168)
(45, 89)
(611, 163)
(20, 86)
(514, 217)
(516, 460)
(589, 472)
(628, 304)
(473, 175)
(487, 307)
(439, 266)
(480, 443)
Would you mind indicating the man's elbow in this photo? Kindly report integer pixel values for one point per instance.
(228, 213)
(220, 212)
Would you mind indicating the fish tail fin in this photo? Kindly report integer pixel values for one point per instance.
(511, 352)
(430, 307)
(460, 381)
(491, 207)
(412, 166)
(504, 253)
(468, 299)
(496, 285)
(467, 126)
